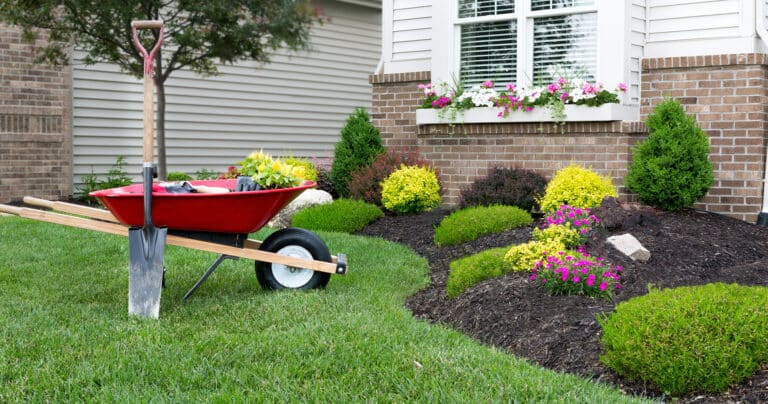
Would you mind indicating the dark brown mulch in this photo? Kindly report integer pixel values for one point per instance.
(561, 332)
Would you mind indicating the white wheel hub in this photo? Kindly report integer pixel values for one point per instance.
(292, 277)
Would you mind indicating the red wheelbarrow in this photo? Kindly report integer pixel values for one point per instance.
(291, 258)
(151, 218)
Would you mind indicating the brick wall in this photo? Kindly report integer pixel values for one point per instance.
(727, 95)
(35, 122)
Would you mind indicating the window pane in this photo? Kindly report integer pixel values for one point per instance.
(537, 5)
(488, 52)
(566, 41)
(479, 8)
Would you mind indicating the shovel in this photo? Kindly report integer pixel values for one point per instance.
(146, 244)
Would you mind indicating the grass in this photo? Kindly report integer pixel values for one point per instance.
(470, 223)
(66, 334)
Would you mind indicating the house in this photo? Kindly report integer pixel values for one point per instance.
(58, 124)
(709, 54)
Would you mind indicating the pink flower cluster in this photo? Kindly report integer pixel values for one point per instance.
(576, 272)
(579, 218)
(441, 102)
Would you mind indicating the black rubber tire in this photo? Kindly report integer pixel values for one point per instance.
(290, 237)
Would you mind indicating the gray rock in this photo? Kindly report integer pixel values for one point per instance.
(310, 197)
(628, 245)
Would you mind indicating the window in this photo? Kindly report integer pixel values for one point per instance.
(518, 41)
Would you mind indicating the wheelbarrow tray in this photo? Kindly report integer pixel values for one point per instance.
(231, 212)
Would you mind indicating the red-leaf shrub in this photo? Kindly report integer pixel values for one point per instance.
(505, 186)
(365, 182)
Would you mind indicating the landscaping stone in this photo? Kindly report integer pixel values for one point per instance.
(310, 197)
(628, 245)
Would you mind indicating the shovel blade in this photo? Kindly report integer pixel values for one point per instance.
(145, 282)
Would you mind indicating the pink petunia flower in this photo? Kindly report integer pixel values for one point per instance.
(487, 84)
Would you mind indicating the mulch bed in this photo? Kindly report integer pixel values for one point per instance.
(561, 332)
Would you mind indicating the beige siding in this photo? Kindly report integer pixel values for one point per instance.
(295, 105)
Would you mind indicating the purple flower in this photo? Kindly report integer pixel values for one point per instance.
(564, 97)
(603, 286)
(576, 279)
(591, 280)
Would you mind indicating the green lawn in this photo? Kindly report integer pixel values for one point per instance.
(66, 334)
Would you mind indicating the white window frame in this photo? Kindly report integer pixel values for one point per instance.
(613, 41)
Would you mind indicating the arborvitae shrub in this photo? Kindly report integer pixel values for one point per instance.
(505, 186)
(693, 338)
(365, 182)
(410, 189)
(671, 170)
(360, 143)
(577, 187)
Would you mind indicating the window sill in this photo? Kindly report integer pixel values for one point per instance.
(574, 113)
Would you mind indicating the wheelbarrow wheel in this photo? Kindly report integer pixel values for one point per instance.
(298, 243)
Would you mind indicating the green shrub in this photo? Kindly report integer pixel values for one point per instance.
(116, 177)
(178, 176)
(523, 257)
(670, 170)
(360, 143)
(471, 223)
(206, 174)
(410, 189)
(696, 338)
(505, 186)
(310, 172)
(473, 269)
(365, 182)
(341, 215)
(578, 187)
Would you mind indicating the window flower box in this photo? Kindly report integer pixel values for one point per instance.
(574, 113)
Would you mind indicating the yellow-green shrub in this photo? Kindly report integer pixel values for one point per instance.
(523, 257)
(410, 189)
(310, 172)
(578, 187)
(470, 223)
(563, 233)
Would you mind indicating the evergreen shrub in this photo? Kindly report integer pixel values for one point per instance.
(341, 215)
(670, 170)
(468, 271)
(686, 339)
(360, 143)
(470, 223)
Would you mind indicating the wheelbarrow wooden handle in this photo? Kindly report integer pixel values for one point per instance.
(147, 24)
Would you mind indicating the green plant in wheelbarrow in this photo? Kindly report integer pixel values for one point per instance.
(271, 173)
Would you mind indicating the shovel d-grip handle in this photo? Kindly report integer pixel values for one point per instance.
(149, 85)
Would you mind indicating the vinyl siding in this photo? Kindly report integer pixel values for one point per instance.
(411, 30)
(677, 20)
(296, 105)
(637, 34)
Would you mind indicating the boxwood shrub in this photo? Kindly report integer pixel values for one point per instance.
(341, 215)
(470, 223)
(473, 269)
(686, 339)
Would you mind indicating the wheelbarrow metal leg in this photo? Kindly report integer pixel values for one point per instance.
(207, 273)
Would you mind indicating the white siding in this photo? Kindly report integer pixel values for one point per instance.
(700, 27)
(637, 34)
(407, 36)
(295, 105)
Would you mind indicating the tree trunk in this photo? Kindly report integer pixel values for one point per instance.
(160, 133)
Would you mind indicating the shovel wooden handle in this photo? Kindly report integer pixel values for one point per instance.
(147, 24)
